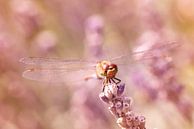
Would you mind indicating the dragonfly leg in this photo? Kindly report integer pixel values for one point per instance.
(109, 80)
(103, 88)
(104, 83)
(113, 80)
(118, 80)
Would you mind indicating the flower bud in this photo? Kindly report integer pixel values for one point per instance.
(103, 97)
(142, 122)
(119, 107)
(121, 89)
(130, 116)
(122, 122)
(136, 121)
(113, 88)
(113, 111)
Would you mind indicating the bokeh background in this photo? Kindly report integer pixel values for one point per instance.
(91, 30)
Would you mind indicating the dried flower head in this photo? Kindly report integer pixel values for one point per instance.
(120, 107)
(111, 91)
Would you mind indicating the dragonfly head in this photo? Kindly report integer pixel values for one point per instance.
(106, 69)
(111, 70)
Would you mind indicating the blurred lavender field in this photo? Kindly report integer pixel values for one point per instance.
(162, 87)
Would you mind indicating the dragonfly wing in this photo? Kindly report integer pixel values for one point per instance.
(154, 50)
(145, 54)
(57, 75)
(56, 70)
(55, 62)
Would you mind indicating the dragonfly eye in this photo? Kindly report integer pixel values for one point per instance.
(111, 68)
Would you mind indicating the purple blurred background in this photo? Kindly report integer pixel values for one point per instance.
(162, 89)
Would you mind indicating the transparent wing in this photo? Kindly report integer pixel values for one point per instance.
(57, 70)
(140, 54)
(54, 75)
(136, 59)
(55, 62)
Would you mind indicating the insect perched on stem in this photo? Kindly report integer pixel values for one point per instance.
(107, 70)
(59, 70)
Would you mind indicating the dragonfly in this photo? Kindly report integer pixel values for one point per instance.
(60, 70)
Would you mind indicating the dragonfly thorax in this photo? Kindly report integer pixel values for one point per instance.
(106, 69)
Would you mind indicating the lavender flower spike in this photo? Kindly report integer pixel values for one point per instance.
(120, 107)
